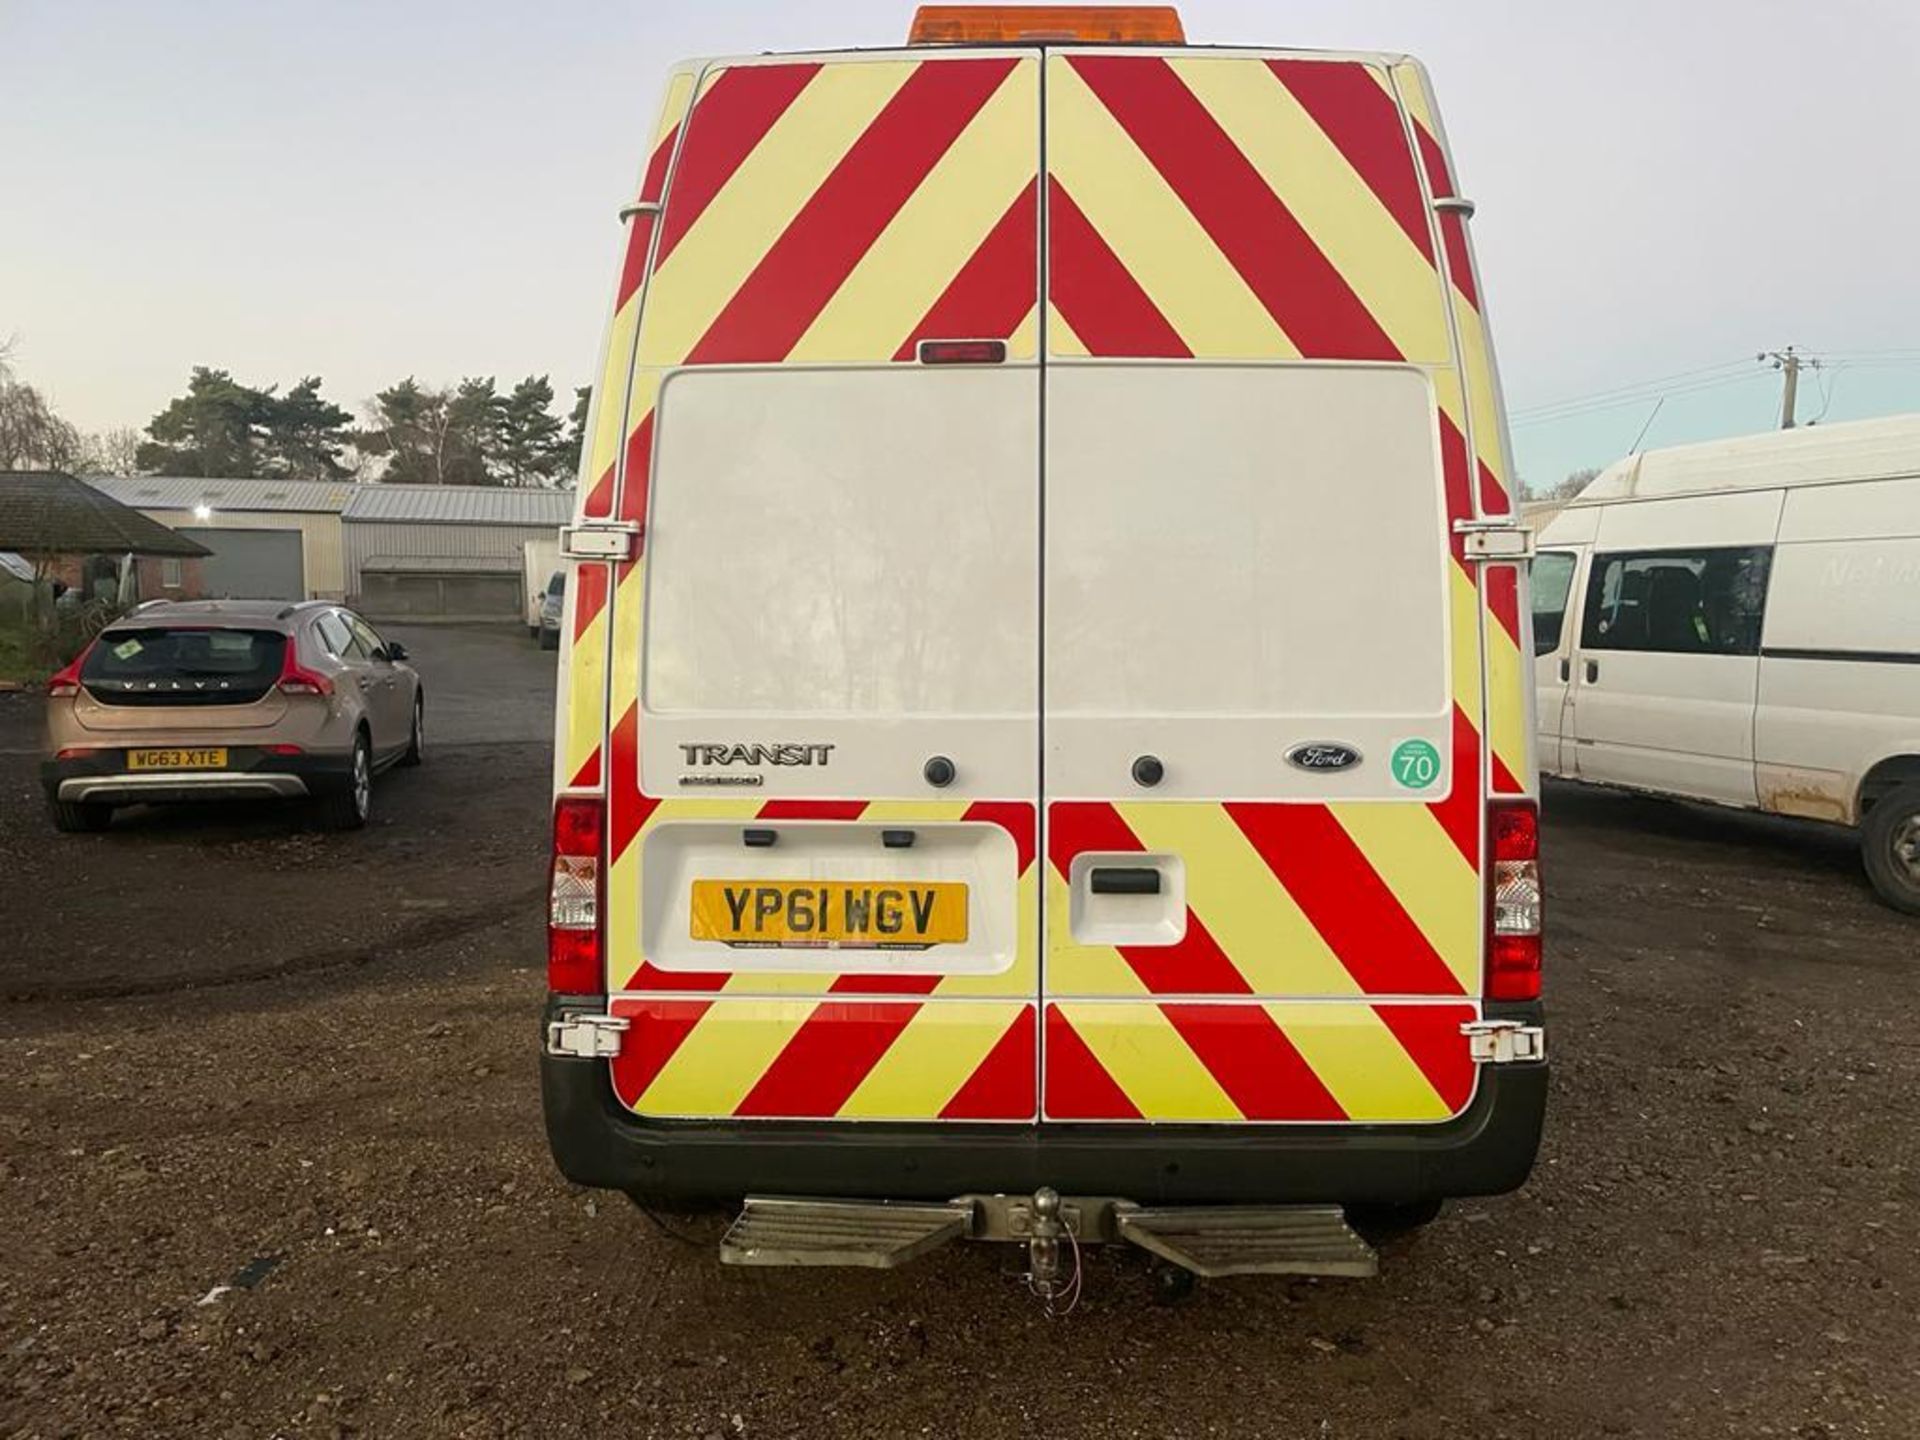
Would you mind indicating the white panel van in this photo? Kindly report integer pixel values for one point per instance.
(1739, 622)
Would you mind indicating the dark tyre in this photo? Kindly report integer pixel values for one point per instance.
(417, 737)
(77, 817)
(1379, 1223)
(1890, 847)
(347, 808)
(549, 639)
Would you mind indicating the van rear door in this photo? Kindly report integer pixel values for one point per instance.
(823, 736)
(1175, 559)
(1263, 682)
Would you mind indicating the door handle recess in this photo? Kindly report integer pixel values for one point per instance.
(1566, 670)
(1593, 671)
(1124, 880)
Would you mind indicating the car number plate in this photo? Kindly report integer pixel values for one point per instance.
(176, 759)
(834, 914)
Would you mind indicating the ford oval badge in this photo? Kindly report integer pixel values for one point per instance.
(1323, 755)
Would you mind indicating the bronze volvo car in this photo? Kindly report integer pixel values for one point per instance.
(230, 699)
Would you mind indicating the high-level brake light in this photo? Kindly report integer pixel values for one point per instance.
(573, 896)
(1515, 901)
(1034, 24)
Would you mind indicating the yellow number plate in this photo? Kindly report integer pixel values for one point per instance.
(176, 759)
(849, 914)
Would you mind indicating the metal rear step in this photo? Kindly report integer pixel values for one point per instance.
(1242, 1240)
(878, 1235)
(1208, 1241)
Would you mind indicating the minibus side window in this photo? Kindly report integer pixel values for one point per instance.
(1552, 586)
(1701, 602)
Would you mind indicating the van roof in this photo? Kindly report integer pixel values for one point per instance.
(1815, 455)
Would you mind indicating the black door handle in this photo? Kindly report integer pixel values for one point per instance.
(1124, 880)
(1566, 670)
(1593, 671)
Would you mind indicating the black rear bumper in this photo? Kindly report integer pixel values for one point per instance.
(1486, 1150)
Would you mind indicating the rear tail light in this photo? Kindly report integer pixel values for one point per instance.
(1089, 24)
(67, 682)
(282, 750)
(296, 679)
(1515, 901)
(74, 752)
(574, 895)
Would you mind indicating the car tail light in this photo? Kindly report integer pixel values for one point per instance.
(574, 895)
(74, 752)
(296, 679)
(67, 682)
(1088, 24)
(283, 750)
(1515, 901)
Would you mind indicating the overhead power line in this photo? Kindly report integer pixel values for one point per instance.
(1600, 406)
(1638, 388)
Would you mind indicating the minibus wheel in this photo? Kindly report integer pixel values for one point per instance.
(1890, 847)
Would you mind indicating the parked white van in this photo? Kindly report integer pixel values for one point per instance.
(990, 799)
(1739, 622)
(539, 560)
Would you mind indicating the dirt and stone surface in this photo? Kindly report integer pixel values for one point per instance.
(236, 1052)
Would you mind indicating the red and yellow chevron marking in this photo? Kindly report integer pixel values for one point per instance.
(1296, 1063)
(586, 685)
(1509, 724)
(827, 1059)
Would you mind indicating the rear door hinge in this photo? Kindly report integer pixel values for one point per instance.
(600, 540)
(1497, 539)
(586, 1037)
(1502, 1042)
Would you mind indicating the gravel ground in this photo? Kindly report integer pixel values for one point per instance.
(193, 1095)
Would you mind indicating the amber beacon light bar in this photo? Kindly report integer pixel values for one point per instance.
(1032, 24)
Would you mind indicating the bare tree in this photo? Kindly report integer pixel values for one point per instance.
(1572, 485)
(110, 452)
(32, 437)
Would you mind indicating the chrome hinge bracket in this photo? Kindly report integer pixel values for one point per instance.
(586, 1037)
(1502, 1042)
(1500, 539)
(1454, 205)
(604, 540)
(638, 207)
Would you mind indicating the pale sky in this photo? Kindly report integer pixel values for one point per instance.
(366, 189)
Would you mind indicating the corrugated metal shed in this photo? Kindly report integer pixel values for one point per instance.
(183, 492)
(460, 505)
(441, 564)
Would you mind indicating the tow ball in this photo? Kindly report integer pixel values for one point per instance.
(1044, 1255)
